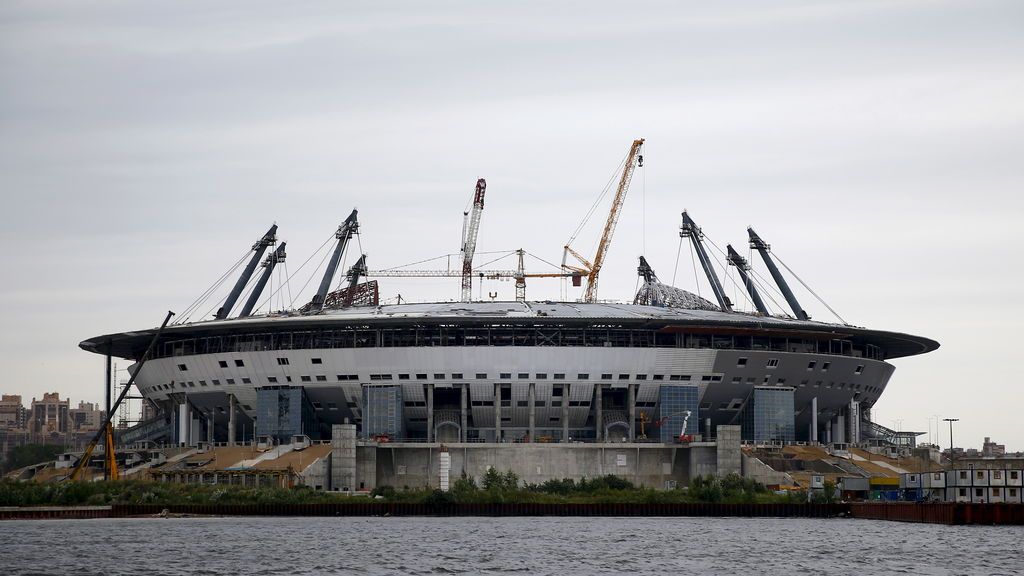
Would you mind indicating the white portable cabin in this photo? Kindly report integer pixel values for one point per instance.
(979, 494)
(910, 480)
(980, 477)
(997, 494)
(1015, 478)
(955, 478)
(933, 485)
(958, 493)
(1013, 494)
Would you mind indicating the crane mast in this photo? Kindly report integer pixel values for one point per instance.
(470, 229)
(592, 269)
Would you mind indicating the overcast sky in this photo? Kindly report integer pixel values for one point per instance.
(877, 145)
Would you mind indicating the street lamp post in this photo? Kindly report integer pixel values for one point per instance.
(951, 453)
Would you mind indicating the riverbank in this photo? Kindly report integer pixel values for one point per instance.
(926, 513)
(494, 488)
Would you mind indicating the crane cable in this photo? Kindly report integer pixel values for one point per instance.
(696, 279)
(594, 206)
(643, 206)
(327, 253)
(676, 269)
(557, 267)
(249, 284)
(212, 288)
(288, 278)
(813, 293)
(767, 293)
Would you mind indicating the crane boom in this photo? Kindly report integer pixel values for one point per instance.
(470, 229)
(105, 429)
(592, 270)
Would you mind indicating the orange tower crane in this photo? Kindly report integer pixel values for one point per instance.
(592, 269)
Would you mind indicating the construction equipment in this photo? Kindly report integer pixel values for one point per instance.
(644, 420)
(743, 267)
(689, 229)
(257, 252)
(106, 429)
(345, 231)
(592, 269)
(684, 438)
(109, 456)
(273, 259)
(764, 248)
(470, 229)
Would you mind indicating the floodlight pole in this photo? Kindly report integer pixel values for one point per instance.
(952, 455)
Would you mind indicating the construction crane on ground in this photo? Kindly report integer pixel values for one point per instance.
(470, 229)
(106, 430)
(591, 269)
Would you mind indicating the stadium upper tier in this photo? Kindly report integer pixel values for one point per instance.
(514, 324)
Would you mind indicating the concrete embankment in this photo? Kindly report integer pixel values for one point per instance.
(932, 513)
(493, 509)
(940, 512)
(42, 512)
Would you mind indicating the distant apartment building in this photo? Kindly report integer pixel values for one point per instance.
(86, 418)
(50, 415)
(13, 415)
(990, 448)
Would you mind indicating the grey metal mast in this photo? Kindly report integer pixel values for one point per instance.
(690, 230)
(258, 249)
(357, 271)
(354, 273)
(741, 265)
(349, 227)
(268, 267)
(645, 271)
(762, 247)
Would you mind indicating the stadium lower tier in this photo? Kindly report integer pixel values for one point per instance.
(510, 394)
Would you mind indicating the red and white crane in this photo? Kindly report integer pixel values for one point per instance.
(470, 229)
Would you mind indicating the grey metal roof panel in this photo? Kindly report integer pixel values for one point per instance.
(896, 344)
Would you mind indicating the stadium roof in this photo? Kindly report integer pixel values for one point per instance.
(895, 344)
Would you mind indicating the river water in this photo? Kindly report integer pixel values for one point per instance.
(477, 545)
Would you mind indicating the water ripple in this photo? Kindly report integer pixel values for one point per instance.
(535, 546)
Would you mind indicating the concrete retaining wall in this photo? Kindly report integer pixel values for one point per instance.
(651, 465)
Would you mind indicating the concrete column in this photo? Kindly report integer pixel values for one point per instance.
(497, 412)
(231, 419)
(814, 419)
(209, 427)
(840, 435)
(598, 413)
(729, 455)
(464, 422)
(185, 423)
(631, 408)
(430, 412)
(854, 422)
(533, 412)
(343, 457)
(565, 413)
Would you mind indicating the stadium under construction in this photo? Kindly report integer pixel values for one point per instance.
(663, 387)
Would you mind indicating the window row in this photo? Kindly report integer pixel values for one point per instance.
(594, 336)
